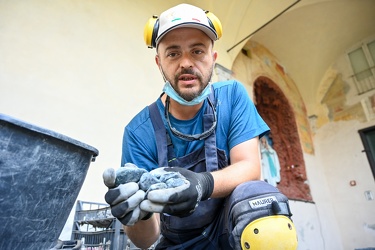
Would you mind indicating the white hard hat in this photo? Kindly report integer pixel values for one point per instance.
(182, 15)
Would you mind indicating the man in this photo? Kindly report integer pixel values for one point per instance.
(207, 133)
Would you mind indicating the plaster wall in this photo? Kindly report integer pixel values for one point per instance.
(327, 231)
(261, 62)
(307, 225)
(344, 219)
(339, 153)
(339, 150)
(315, 221)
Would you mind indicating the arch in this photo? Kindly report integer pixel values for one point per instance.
(275, 109)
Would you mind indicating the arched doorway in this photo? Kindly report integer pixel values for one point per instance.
(275, 109)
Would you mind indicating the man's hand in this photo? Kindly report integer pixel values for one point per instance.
(124, 195)
(180, 200)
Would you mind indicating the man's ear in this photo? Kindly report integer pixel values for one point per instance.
(157, 60)
(158, 63)
(214, 55)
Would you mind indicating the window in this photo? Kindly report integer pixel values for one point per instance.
(362, 60)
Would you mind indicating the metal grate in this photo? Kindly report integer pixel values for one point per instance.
(364, 81)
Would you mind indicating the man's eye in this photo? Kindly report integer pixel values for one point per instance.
(198, 52)
(172, 54)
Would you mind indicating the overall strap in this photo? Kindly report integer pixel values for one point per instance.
(210, 142)
(163, 141)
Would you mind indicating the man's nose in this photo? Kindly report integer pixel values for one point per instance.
(186, 61)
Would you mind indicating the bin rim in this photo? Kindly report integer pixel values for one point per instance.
(48, 132)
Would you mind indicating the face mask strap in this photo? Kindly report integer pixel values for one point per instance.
(188, 137)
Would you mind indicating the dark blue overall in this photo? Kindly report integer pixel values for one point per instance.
(204, 229)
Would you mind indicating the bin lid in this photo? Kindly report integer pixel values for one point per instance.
(47, 132)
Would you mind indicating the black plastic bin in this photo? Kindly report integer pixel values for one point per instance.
(41, 174)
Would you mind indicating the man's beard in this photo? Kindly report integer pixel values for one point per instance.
(189, 96)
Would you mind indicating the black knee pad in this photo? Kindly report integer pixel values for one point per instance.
(256, 211)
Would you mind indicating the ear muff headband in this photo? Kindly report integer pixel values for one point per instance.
(152, 26)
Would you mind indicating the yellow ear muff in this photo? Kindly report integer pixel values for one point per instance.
(215, 23)
(151, 31)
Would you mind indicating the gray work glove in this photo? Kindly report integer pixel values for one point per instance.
(182, 199)
(124, 195)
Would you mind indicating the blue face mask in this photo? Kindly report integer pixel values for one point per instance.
(169, 90)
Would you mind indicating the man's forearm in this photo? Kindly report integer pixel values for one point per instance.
(228, 179)
(245, 159)
(145, 232)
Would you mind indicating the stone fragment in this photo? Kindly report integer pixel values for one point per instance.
(146, 180)
(171, 175)
(175, 182)
(129, 173)
(160, 179)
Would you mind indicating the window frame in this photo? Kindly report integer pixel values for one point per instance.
(366, 84)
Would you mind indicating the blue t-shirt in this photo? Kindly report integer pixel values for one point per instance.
(237, 122)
